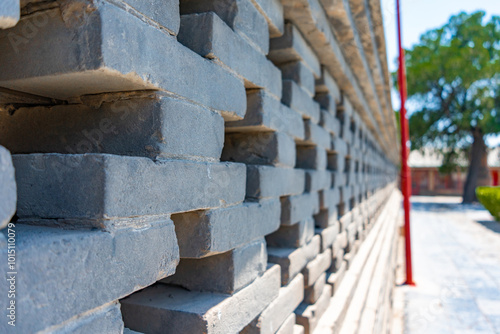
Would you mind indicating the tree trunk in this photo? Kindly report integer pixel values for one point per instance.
(478, 173)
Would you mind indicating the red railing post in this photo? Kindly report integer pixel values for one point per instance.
(405, 170)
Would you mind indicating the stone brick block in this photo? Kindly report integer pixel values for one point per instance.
(293, 236)
(225, 273)
(104, 319)
(10, 12)
(298, 72)
(298, 207)
(337, 261)
(67, 272)
(297, 98)
(260, 148)
(241, 15)
(265, 113)
(96, 188)
(311, 157)
(327, 85)
(168, 309)
(7, 188)
(288, 325)
(273, 12)
(316, 267)
(326, 217)
(165, 13)
(156, 126)
(316, 135)
(335, 279)
(313, 292)
(82, 53)
(329, 122)
(308, 315)
(317, 180)
(328, 236)
(277, 313)
(293, 47)
(210, 37)
(329, 198)
(327, 102)
(267, 181)
(292, 260)
(206, 233)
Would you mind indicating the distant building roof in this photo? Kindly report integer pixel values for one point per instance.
(428, 158)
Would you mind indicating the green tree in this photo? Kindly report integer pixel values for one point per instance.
(453, 78)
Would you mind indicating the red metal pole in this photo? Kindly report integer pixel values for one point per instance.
(405, 170)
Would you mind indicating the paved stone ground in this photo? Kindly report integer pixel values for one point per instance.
(456, 254)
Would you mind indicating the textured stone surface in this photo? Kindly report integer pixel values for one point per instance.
(293, 260)
(297, 98)
(297, 71)
(328, 236)
(278, 312)
(156, 126)
(288, 325)
(316, 267)
(162, 308)
(335, 278)
(225, 273)
(7, 188)
(317, 180)
(63, 273)
(313, 292)
(206, 233)
(266, 113)
(299, 207)
(309, 315)
(293, 236)
(326, 84)
(210, 37)
(241, 15)
(121, 186)
(97, 54)
(10, 12)
(267, 181)
(311, 157)
(273, 12)
(293, 47)
(260, 148)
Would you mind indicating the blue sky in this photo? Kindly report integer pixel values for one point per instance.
(419, 16)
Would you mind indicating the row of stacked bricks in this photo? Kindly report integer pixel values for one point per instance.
(180, 168)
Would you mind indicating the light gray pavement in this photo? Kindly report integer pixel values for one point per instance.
(456, 257)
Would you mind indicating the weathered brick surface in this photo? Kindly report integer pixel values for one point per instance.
(180, 146)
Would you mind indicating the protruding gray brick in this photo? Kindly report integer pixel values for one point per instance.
(10, 12)
(326, 84)
(273, 12)
(313, 292)
(293, 236)
(297, 98)
(316, 135)
(168, 309)
(267, 181)
(327, 102)
(311, 157)
(7, 188)
(329, 122)
(293, 47)
(82, 53)
(260, 148)
(293, 260)
(206, 233)
(297, 71)
(298, 207)
(210, 37)
(156, 126)
(278, 312)
(266, 113)
(327, 217)
(104, 319)
(225, 273)
(77, 271)
(241, 15)
(328, 236)
(335, 279)
(329, 198)
(309, 315)
(316, 267)
(317, 180)
(93, 188)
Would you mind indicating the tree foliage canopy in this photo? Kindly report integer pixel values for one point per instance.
(453, 83)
